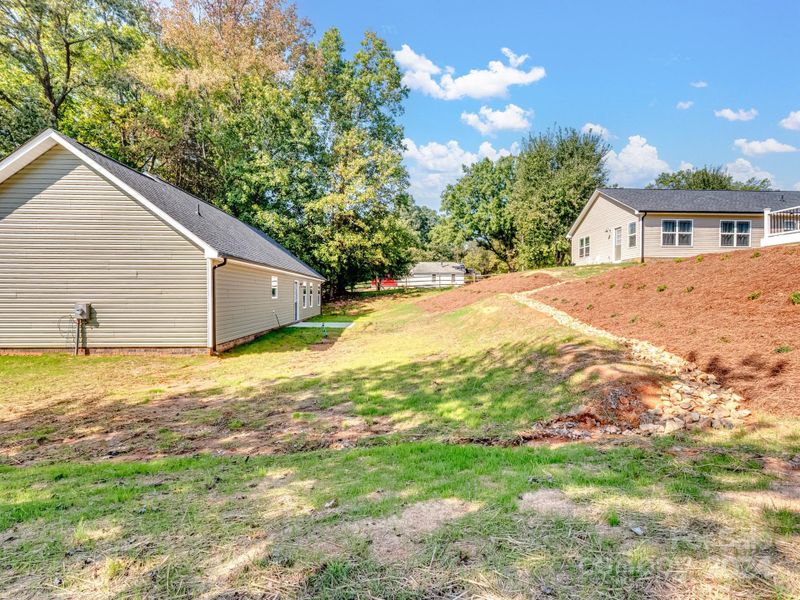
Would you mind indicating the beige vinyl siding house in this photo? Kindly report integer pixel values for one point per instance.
(76, 227)
(66, 235)
(607, 223)
(620, 224)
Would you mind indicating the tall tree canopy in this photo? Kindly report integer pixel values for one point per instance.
(230, 100)
(556, 173)
(477, 207)
(707, 178)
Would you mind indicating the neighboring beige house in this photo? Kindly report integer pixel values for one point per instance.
(159, 268)
(434, 275)
(619, 224)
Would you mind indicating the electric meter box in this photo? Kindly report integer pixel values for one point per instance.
(82, 310)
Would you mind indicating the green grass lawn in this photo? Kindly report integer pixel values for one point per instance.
(303, 467)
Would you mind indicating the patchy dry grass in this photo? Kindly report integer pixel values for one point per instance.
(156, 477)
(488, 369)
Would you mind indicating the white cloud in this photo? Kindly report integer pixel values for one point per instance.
(736, 115)
(514, 60)
(699, 84)
(494, 81)
(433, 165)
(636, 164)
(797, 186)
(597, 129)
(684, 105)
(768, 146)
(792, 121)
(685, 166)
(487, 120)
(742, 170)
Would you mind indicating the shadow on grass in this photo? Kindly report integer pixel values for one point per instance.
(175, 510)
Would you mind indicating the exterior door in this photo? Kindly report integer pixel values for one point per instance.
(296, 300)
(618, 244)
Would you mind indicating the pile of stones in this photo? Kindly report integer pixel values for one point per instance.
(695, 400)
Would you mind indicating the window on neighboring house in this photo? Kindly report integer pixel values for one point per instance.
(319, 294)
(734, 234)
(677, 232)
(304, 295)
(433, 277)
(583, 247)
(274, 287)
(311, 295)
(453, 279)
(632, 234)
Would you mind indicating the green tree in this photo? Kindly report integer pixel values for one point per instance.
(707, 178)
(58, 57)
(477, 207)
(557, 171)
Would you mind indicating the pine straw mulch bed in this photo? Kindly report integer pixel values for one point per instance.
(460, 297)
(729, 313)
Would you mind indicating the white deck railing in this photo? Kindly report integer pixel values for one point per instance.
(781, 226)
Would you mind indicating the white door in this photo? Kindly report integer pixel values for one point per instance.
(618, 244)
(296, 301)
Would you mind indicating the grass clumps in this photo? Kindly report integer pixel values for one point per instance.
(794, 298)
(783, 521)
(689, 289)
(783, 349)
(754, 295)
(661, 288)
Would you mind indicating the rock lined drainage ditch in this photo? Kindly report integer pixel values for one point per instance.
(695, 401)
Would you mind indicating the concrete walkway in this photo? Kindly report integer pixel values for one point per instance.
(329, 324)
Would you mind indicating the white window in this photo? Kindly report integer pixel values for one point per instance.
(311, 295)
(319, 294)
(677, 232)
(304, 294)
(734, 234)
(453, 279)
(632, 234)
(583, 247)
(274, 287)
(433, 277)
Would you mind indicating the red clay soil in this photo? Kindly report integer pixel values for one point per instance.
(729, 313)
(473, 292)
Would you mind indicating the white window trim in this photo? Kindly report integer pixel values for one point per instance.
(634, 235)
(310, 295)
(676, 232)
(584, 251)
(735, 221)
(305, 300)
(273, 287)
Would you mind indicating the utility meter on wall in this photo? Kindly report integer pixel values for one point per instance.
(82, 311)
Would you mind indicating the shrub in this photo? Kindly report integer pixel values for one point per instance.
(755, 254)
(689, 289)
(783, 349)
(794, 298)
(699, 258)
(678, 260)
(589, 306)
(661, 288)
(625, 286)
(641, 287)
(754, 295)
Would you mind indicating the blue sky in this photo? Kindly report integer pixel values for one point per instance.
(622, 67)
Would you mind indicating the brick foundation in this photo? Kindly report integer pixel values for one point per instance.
(105, 351)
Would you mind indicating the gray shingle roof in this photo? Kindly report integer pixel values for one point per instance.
(437, 267)
(702, 201)
(226, 234)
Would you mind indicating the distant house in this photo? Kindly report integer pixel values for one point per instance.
(130, 262)
(435, 274)
(619, 224)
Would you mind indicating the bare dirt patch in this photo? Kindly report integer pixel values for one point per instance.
(396, 538)
(475, 292)
(728, 313)
(548, 502)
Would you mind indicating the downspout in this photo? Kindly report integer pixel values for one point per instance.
(214, 304)
(641, 229)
